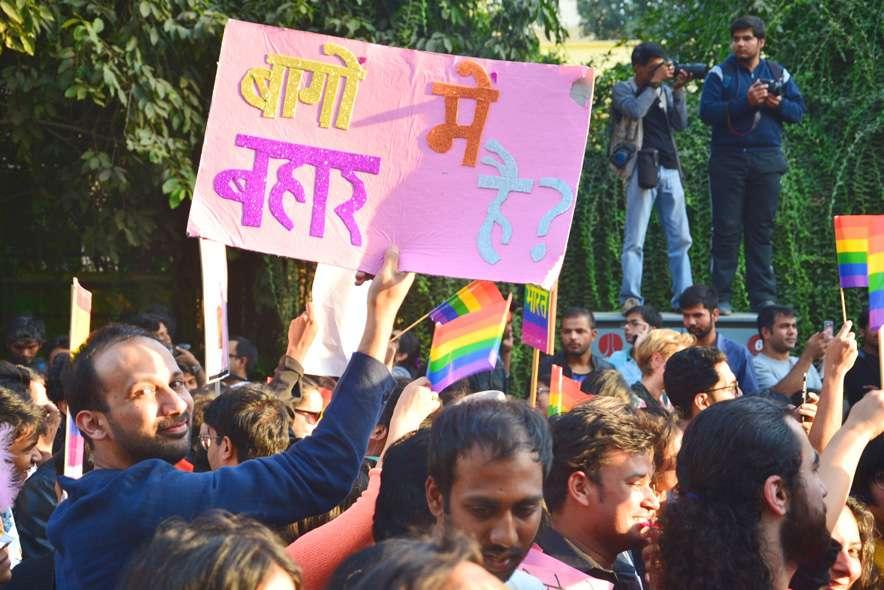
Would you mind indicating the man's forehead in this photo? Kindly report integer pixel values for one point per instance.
(136, 354)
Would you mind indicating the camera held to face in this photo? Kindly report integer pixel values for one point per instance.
(694, 71)
(774, 87)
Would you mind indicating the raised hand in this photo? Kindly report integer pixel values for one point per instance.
(302, 332)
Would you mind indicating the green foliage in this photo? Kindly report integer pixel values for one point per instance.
(103, 116)
(611, 19)
(833, 48)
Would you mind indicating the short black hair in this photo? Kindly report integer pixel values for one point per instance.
(15, 378)
(149, 321)
(54, 374)
(748, 22)
(649, 314)
(25, 327)
(698, 295)
(401, 507)
(390, 404)
(689, 372)
(57, 342)
(645, 52)
(256, 422)
(425, 563)
(767, 316)
(863, 322)
(503, 428)
(83, 389)
(579, 312)
(245, 348)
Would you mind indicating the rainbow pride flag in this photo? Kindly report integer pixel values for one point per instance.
(851, 246)
(876, 272)
(564, 392)
(471, 298)
(467, 345)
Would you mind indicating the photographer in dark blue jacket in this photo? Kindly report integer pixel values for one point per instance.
(746, 100)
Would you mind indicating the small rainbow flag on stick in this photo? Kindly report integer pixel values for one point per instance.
(467, 345)
(564, 392)
(852, 245)
(471, 298)
(876, 272)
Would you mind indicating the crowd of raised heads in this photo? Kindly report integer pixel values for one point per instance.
(685, 464)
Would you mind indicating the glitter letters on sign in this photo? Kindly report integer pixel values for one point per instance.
(507, 182)
(260, 87)
(442, 136)
(248, 186)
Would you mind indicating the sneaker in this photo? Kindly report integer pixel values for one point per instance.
(724, 308)
(629, 304)
(763, 304)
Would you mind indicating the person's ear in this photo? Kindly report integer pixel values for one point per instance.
(435, 501)
(715, 315)
(379, 433)
(765, 332)
(775, 495)
(701, 401)
(580, 488)
(761, 43)
(92, 424)
(228, 451)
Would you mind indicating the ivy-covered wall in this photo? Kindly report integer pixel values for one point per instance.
(833, 48)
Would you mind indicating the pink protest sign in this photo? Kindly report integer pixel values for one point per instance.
(555, 575)
(329, 149)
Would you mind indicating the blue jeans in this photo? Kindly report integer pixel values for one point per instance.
(668, 197)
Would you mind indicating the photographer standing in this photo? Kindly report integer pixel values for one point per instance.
(746, 100)
(643, 153)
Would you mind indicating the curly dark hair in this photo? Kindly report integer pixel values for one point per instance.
(710, 533)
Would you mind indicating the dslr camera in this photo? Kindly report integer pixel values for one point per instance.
(774, 87)
(694, 71)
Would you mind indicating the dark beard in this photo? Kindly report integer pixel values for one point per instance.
(140, 448)
(804, 535)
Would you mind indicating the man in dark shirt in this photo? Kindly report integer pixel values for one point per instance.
(747, 100)
(865, 374)
(576, 358)
(651, 111)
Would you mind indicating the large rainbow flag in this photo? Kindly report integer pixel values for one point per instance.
(471, 298)
(467, 345)
(876, 272)
(852, 246)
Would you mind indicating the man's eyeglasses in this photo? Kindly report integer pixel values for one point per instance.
(206, 441)
(733, 388)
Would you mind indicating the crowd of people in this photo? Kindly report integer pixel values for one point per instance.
(691, 463)
(672, 474)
